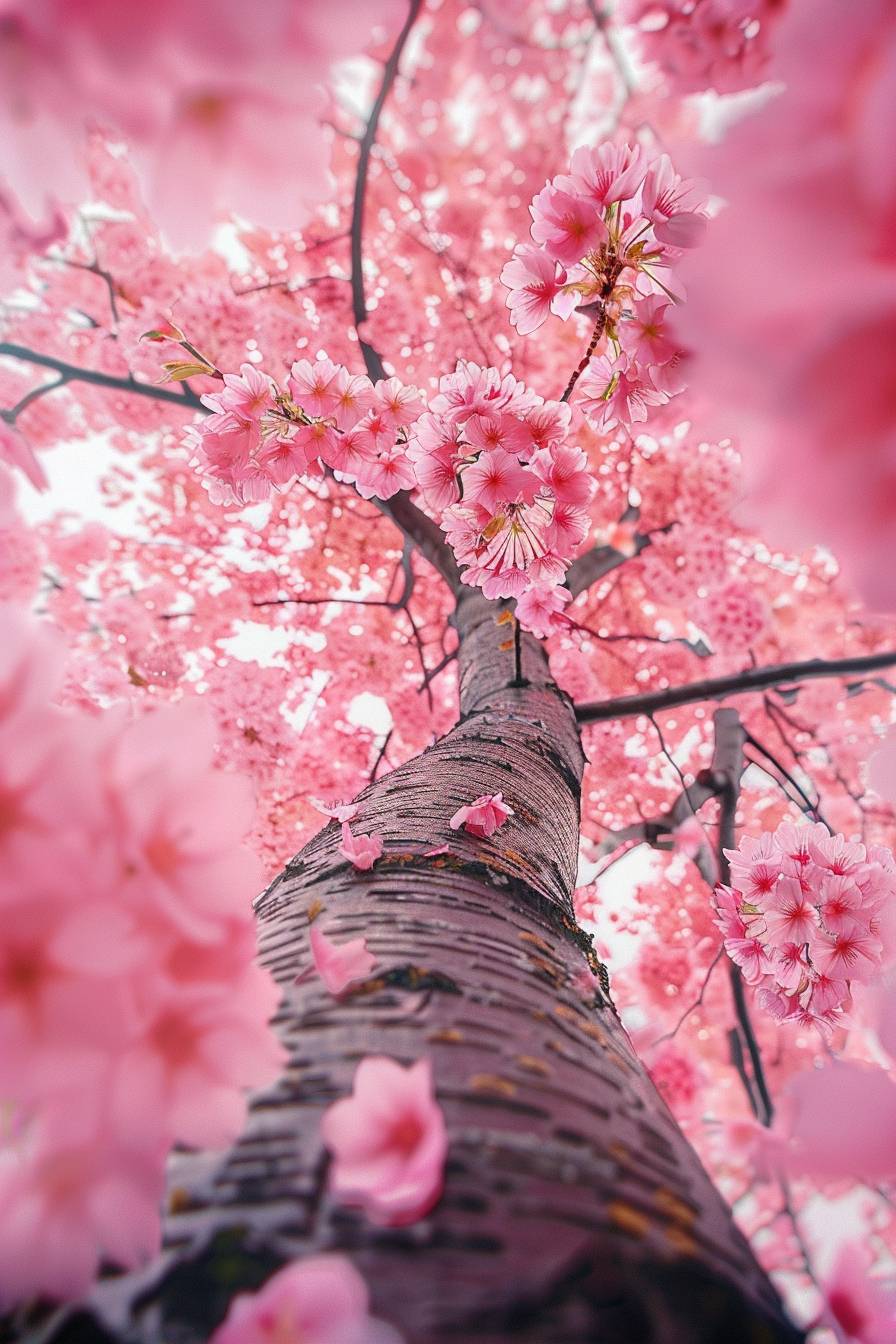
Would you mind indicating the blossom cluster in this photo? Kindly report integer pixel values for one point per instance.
(259, 437)
(806, 914)
(492, 462)
(132, 1010)
(606, 236)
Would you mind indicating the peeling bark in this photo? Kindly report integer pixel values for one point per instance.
(574, 1210)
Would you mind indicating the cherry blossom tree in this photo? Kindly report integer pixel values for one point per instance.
(445, 806)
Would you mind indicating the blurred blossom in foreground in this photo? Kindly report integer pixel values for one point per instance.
(218, 102)
(792, 308)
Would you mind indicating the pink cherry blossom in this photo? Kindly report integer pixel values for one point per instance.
(311, 384)
(490, 456)
(567, 225)
(386, 474)
(608, 173)
(259, 439)
(360, 850)
(321, 1300)
(609, 234)
(497, 478)
(617, 391)
(483, 816)
(673, 205)
(388, 1142)
(340, 964)
(540, 609)
(535, 282)
(399, 405)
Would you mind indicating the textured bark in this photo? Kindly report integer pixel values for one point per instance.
(574, 1211)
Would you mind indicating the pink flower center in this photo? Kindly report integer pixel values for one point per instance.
(406, 1134)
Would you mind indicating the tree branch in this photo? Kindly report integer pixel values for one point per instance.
(186, 398)
(728, 761)
(372, 358)
(740, 683)
(413, 522)
(598, 562)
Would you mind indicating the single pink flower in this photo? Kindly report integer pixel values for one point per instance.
(322, 1300)
(313, 386)
(535, 281)
(606, 173)
(673, 205)
(339, 964)
(790, 916)
(353, 395)
(540, 609)
(246, 394)
(852, 953)
(397, 404)
(483, 816)
(361, 850)
(390, 472)
(617, 391)
(569, 226)
(388, 1142)
(497, 478)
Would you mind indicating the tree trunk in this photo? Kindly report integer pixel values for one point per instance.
(574, 1211)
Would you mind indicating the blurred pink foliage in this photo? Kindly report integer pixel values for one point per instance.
(796, 340)
(220, 104)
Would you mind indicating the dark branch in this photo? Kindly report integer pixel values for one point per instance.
(729, 764)
(740, 683)
(186, 398)
(413, 522)
(598, 562)
(372, 358)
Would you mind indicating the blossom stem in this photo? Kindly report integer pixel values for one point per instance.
(592, 346)
(728, 763)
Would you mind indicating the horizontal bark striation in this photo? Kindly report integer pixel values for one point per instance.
(574, 1210)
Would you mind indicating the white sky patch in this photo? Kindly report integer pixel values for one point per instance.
(370, 711)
